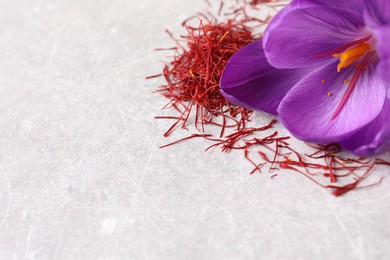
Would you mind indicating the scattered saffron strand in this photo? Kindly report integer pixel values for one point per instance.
(331, 174)
(186, 138)
(352, 84)
(256, 2)
(338, 191)
(154, 76)
(257, 166)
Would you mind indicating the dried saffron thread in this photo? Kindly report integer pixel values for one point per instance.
(256, 2)
(187, 138)
(338, 191)
(257, 166)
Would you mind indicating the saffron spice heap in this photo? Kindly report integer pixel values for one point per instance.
(193, 75)
(192, 88)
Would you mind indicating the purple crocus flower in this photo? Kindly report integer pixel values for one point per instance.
(323, 66)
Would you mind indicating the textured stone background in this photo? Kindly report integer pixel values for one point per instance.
(81, 176)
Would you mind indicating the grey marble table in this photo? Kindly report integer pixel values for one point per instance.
(81, 175)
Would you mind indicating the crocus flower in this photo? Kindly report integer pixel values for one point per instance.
(323, 67)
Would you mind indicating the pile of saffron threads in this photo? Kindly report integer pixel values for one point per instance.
(192, 77)
(192, 88)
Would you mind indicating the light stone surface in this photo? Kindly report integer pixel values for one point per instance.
(81, 175)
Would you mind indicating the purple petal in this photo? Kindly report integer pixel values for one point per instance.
(307, 109)
(293, 37)
(379, 10)
(249, 81)
(355, 5)
(382, 35)
(373, 138)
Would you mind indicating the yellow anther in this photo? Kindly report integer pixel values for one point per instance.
(351, 55)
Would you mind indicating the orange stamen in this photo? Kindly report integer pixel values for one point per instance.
(351, 55)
